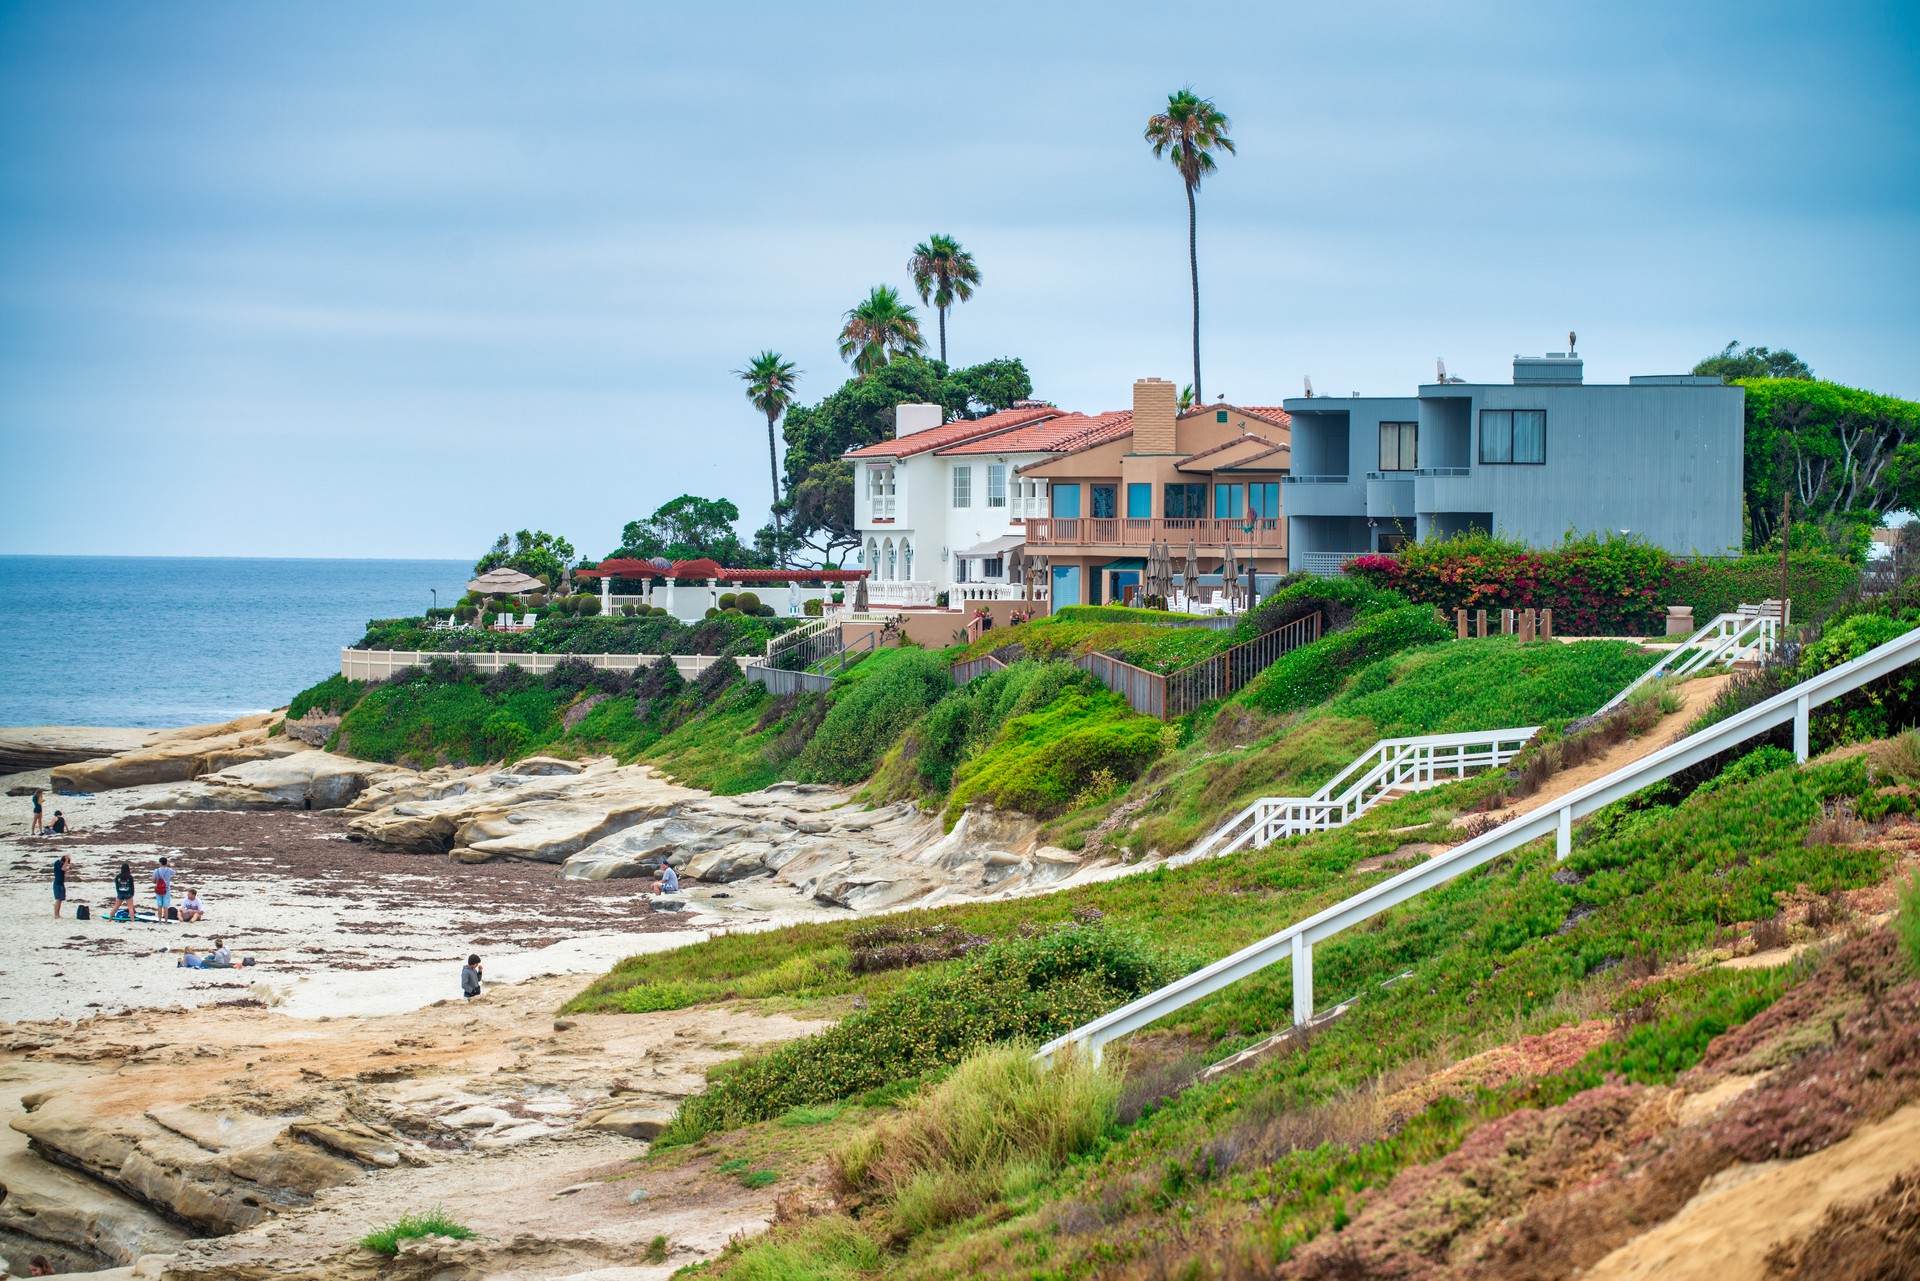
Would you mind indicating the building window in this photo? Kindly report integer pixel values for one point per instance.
(993, 567)
(1186, 502)
(1229, 501)
(1219, 415)
(1397, 446)
(960, 569)
(1513, 435)
(996, 485)
(1139, 502)
(1066, 501)
(1103, 502)
(871, 557)
(963, 487)
(1264, 500)
(880, 492)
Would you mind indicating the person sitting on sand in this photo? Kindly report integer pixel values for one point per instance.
(470, 977)
(59, 826)
(189, 960)
(218, 959)
(667, 882)
(191, 908)
(62, 868)
(123, 890)
(35, 829)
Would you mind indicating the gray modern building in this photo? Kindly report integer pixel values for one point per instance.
(1658, 457)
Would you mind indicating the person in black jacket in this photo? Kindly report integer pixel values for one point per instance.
(123, 890)
(470, 977)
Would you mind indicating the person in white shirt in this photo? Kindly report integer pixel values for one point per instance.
(191, 908)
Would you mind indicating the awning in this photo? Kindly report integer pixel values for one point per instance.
(1135, 563)
(993, 548)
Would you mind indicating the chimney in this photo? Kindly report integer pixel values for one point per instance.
(1155, 403)
(908, 419)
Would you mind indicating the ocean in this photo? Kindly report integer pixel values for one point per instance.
(156, 641)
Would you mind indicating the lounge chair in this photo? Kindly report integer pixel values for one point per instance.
(527, 621)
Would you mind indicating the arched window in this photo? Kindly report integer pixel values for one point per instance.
(892, 559)
(906, 560)
(872, 557)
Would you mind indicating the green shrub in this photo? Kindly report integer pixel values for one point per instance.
(586, 606)
(433, 1223)
(332, 697)
(969, 718)
(1906, 922)
(727, 601)
(1039, 762)
(1816, 582)
(813, 607)
(1488, 684)
(1314, 673)
(870, 714)
(1031, 988)
(748, 602)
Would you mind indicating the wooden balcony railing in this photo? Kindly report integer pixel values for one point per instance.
(1265, 533)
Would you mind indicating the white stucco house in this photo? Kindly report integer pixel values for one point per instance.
(941, 507)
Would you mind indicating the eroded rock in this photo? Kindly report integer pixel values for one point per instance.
(305, 779)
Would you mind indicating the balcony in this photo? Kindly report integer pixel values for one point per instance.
(1390, 495)
(1059, 532)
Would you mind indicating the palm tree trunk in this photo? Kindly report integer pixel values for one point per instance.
(773, 474)
(943, 335)
(1193, 261)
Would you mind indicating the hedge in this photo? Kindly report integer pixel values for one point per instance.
(1314, 673)
(1599, 586)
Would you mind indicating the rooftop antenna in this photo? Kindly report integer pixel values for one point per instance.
(1309, 381)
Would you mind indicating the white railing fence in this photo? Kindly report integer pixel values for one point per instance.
(1729, 638)
(381, 664)
(1390, 767)
(1296, 943)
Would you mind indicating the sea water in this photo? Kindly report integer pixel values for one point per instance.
(163, 641)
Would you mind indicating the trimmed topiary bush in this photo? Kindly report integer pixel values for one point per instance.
(747, 602)
(869, 715)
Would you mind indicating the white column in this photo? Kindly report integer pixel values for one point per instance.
(1802, 714)
(1302, 980)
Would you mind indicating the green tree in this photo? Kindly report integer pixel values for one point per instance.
(1754, 362)
(1189, 131)
(944, 274)
(1847, 456)
(689, 528)
(535, 553)
(878, 329)
(770, 382)
(861, 412)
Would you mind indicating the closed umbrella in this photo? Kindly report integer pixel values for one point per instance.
(1150, 585)
(860, 595)
(1229, 576)
(1163, 573)
(1191, 576)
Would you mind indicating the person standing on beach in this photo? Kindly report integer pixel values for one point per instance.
(38, 795)
(61, 866)
(470, 977)
(163, 888)
(123, 890)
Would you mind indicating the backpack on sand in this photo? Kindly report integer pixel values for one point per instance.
(81, 912)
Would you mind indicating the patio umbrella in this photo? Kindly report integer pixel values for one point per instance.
(1190, 577)
(860, 595)
(502, 581)
(1163, 571)
(1229, 576)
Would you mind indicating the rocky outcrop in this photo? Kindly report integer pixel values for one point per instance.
(32, 747)
(78, 1223)
(179, 756)
(303, 779)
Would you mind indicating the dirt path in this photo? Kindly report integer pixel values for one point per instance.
(1727, 1230)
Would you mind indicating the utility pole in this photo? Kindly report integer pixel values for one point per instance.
(1786, 508)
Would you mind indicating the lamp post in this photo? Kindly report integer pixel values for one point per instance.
(436, 600)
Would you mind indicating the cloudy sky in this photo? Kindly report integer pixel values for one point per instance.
(363, 279)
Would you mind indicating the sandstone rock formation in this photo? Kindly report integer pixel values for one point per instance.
(32, 747)
(302, 779)
(179, 755)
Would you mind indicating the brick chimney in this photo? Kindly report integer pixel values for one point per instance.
(1155, 402)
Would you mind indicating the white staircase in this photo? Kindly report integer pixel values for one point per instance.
(1296, 943)
(1746, 635)
(1391, 768)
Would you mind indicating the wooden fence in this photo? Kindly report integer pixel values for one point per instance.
(1177, 693)
(974, 668)
(779, 681)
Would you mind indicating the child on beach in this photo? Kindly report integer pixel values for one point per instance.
(162, 889)
(35, 829)
(123, 890)
(191, 908)
(61, 867)
(470, 977)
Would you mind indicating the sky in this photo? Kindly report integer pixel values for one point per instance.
(363, 279)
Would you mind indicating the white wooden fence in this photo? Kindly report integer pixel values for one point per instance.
(379, 664)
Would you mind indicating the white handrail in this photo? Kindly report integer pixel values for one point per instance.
(1729, 638)
(1296, 942)
(1392, 764)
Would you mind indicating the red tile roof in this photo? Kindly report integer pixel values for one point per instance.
(1055, 435)
(1271, 413)
(953, 433)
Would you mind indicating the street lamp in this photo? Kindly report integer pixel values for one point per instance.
(436, 600)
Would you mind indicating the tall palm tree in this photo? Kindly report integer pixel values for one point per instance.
(1189, 131)
(944, 274)
(770, 382)
(878, 329)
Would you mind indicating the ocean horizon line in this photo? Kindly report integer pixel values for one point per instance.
(195, 556)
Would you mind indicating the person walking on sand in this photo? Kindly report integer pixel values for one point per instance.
(162, 889)
(123, 890)
(38, 797)
(61, 867)
(470, 977)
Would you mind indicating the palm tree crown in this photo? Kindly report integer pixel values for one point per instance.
(878, 329)
(1189, 131)
(771, 380)
(944, 274)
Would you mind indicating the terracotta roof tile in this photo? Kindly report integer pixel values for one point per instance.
(1055, 435)
(1271, 413)
(953, 433)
